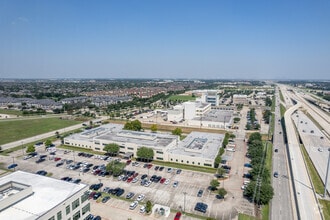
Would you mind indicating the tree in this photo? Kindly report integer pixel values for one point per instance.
(221, 171)
(145, 153)
(48, 142)
(57, 134)
(111, 149)
(30, 149)
(254, 136)
(214, 184)
(222, 192)
(115, 167)
(154, 128)
(148, 206)
(177, 131)
(133, 125)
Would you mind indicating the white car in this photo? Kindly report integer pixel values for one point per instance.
(142, 209)
(148, 183)
(140, 197)
(135, 180)
(133, 205)
(231, 149)
(167, 181)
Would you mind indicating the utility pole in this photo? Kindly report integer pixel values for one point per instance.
(326, 175)
(184, 202)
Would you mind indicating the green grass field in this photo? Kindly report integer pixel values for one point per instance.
(181, 98)
(19, 129)
(11, 112)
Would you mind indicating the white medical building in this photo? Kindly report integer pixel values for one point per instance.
(30, 196)
(201, 114)
(198, 148)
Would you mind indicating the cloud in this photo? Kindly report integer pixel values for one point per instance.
(20, 20)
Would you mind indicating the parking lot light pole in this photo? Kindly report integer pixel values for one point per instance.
(326, 176)
(184, 202)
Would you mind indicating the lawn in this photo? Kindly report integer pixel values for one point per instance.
(245, 217)
(11, 112)
(326, 208)
(19, 129)
(181, 98)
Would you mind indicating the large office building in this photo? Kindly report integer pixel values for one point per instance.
(30, 196)
(166, 147)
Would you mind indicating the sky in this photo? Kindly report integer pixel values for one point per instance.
(204, 39)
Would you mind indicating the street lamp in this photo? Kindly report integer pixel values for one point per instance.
(326, 175)
(184, 201)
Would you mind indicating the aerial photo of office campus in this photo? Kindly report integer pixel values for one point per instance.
(138, 110)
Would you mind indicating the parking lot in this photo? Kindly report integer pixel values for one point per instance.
(183, 197)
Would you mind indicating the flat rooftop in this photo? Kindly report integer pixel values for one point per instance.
(199, 144)
(47, 194)
(114, 133)
(216, 116)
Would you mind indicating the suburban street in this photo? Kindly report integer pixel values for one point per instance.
(283, 204)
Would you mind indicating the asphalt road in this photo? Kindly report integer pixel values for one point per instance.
(307, 202)
(282, 204)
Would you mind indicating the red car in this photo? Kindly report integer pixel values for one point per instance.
(177, 216)
(149, 166)
(130, 179)
(162, 180)
(135, 175)
(128, 162)
(57, 158)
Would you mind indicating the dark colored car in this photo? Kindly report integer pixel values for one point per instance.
(59, 164)
(201, 207)
(77, 181)
(276, 174)
(41, 172)
(105, 199)
(144, 176)
(219, 196)
(97, 195)
(161, 168)
(40, 160)
(178, 171)
(200, 193)
(120, 192)
(11, 166)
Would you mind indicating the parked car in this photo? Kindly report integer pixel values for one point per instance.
(276, 174)
(200, 193)
(42, 172)
(177, 216)
(130, 195)
(142, 209)
(140, 197)
(175, 184)
(178, 171)
(11, 166)
(201, 207)
(97, 195)
(219, 196)
(133, 205)
(105, 199)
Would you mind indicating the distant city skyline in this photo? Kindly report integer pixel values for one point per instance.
(212, 39)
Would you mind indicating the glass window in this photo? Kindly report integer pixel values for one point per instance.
(75, 204)
(84, 197)
(85, 209)
(59, 215)
(76, 216)
(52, 218)
(67, 209)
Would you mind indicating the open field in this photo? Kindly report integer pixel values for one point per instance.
(19, 129)
(181, 98)
(11, 112)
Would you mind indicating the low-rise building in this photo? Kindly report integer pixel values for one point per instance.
(25, 195)
(166, 147)
(240, 99)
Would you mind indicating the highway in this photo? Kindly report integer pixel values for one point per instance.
(282, 205)
(306, 199)
(315, 143)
